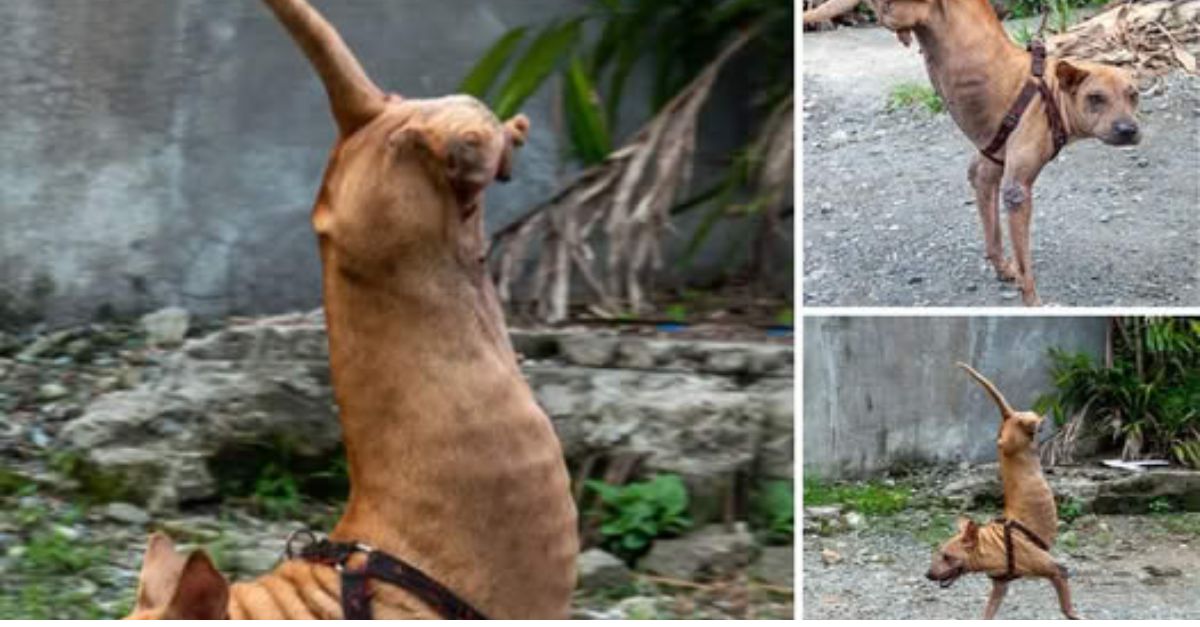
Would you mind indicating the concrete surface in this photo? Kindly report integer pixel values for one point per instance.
(884, 391)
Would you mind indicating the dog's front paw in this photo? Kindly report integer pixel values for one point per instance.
(1007, 271)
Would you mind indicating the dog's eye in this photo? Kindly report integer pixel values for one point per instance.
(1096, 100)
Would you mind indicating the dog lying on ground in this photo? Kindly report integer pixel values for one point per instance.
(1017, 545)
(981, 76)
(460, 503)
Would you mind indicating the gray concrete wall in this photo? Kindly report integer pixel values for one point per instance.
(884, 391)
(166, 152)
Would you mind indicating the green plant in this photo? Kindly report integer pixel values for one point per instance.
(595, 52)
(276, 493)
(774, 511)
(591, 56)
(1070, 509)
(1023, 35)
(871, 498)
(633, 515)
(1161, 505)
(911, 95)
(51, 552)
(1147, 399)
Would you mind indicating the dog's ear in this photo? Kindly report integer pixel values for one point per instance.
(516, 130)
(161, 567)
(1070, 77)
(201, 593)
(969, 532)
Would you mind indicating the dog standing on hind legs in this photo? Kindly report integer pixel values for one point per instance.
(1017, 544)
(460, 504)
(1018, 107)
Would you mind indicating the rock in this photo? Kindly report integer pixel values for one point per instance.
(1133, 494)
(152, 443)
(638, 608)
(594, 351)
(703, 410)
(52, 392)
(254, 560)
(855, 520)
(166, 327)
(705, 554)
(830, 557)
(825, 512)
(598, 570)
(125, 513)
(776, 565)
(1163, 571)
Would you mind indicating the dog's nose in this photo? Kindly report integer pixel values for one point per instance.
(929, 576)
(1125, 129)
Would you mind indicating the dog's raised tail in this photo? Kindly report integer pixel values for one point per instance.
(353, 97)
(1005, 409)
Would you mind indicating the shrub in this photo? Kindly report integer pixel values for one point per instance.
(637, 513)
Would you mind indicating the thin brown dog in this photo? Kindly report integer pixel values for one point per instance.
(453, 466)
(979, 71)
(1027, 500)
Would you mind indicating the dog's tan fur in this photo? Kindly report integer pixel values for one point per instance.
(453, 466)
(978, 71)
(1027, 499)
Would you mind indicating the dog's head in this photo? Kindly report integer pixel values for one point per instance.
(902, 16)
(175, 586)
(1101, 101)
(404, 185)
(952, 559)
(1019, 431)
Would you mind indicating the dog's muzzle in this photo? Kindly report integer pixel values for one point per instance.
(946, 580)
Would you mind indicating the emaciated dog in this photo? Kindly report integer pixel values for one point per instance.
(459, 490)
(981, 76)
(1018, 544)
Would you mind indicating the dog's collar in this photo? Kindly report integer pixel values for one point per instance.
(356, 598)
(1035, 85)
(1010, 555)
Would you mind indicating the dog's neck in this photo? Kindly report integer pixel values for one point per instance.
(966, 48)
(453, 467)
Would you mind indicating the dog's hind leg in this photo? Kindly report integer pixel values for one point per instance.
(999, 589)
(1059, 580)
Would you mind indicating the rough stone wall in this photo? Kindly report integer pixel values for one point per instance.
(884, 391)
(707, 411)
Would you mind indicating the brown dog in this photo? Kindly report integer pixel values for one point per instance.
(979, 72)
(453, 466)
(1019, 544)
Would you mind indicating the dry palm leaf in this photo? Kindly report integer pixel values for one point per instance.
(627, 199)
(1150, 38)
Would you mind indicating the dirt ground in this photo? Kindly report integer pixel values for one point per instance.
(890, 219)
(881, 574)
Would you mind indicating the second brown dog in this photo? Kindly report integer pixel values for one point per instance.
(1018, 544)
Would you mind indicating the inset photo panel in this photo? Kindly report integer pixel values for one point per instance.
(1001, 467)
(969, 153)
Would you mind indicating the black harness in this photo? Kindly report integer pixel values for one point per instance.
(1010, 555)
(1034, 86)
(356, 598)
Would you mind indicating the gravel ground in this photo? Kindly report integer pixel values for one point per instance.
(890, 219)
(880, 572)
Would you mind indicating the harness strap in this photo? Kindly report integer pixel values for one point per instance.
(1034, 86)
(1010, 555)
(356, 596)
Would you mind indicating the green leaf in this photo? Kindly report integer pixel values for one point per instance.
(540, 60)
(481, 77)
(585, 120)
